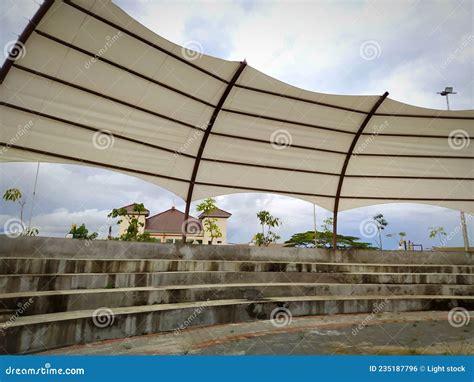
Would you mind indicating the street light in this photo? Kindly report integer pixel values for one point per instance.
(445, 93)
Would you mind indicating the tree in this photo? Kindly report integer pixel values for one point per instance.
(401, 236)
(437, 232)
(82, 232)
(324, 240)
(267, 221)
(13, 195)
(134, 225)
(327, 224)
(206, 207)
(380, 223)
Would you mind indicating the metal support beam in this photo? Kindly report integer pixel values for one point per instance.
(464, 232)
(205, 137)
(346, 163)
(17, 50)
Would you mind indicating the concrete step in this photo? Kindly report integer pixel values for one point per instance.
(40, 282)
(54, 266)
(69, 300)
(27, 246)
(35, 333)
(6, 314)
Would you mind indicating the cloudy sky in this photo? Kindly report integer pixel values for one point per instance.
(419, 47)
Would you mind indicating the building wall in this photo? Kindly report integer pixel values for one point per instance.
(125, 223)
(175, 238)
(222, 224)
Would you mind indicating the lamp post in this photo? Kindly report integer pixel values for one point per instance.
(315, 230)
(445, 93)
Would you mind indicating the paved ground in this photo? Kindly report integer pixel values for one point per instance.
(386, 333)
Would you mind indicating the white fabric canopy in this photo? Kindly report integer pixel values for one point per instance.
(93, 86)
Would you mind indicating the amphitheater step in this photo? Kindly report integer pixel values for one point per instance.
(6, 314)
(40, 282)
(53, 266)
(68, 300)
(35, 333)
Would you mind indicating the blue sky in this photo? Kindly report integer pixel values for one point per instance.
(421, 47)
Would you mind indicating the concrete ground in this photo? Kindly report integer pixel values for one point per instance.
(408, 333)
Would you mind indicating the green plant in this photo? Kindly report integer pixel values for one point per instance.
(15, 195)
(380, 223)
(31, 231)
(327, 224)
(438, 232)
(324, 240)
(210, 224)
(82, 232)
(267, 221)
(401, 236)
(134, 224)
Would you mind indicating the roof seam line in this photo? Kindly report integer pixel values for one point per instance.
(143, 40)
(300, 99)
(121, 67)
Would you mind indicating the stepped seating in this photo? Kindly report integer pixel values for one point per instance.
(51, 297)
